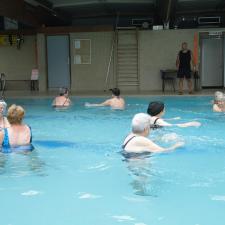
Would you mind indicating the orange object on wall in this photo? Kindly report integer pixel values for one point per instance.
(195, 50)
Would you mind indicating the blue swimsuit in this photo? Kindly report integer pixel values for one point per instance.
(6, 148)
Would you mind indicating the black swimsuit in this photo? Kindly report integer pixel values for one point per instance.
(124, 145)
(154, 125)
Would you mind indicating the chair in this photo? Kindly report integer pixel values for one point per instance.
(168, 76)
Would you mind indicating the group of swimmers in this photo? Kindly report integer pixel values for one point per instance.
(15, 135)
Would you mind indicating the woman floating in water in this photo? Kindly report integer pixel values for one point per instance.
(137, 141)
(18, 136)
(116, 102)
(62, 101)
(156, 110)
(219, 102)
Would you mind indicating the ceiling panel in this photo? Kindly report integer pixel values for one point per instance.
(186, 5)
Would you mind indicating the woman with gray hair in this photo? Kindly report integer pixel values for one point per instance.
(137, 141)
(219, 102)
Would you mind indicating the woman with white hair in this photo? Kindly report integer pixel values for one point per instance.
(137, 141)
(3, 120)
(219, 102)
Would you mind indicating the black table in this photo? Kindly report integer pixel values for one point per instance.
(170, 75)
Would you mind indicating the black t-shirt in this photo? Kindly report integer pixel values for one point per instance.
(185, 60)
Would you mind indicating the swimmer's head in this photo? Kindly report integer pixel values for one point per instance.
(155, 108)
(15, 114)
(115, 91)
(63, 91)
(3, 107)
(140, 123)
(219, 96)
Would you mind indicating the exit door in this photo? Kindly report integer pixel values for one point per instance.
(212, 62)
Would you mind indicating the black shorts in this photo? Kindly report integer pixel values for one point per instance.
(184, 73)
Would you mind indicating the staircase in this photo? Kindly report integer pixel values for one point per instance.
(127, 76)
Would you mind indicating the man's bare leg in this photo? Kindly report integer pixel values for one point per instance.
(181, 82)
(190, 86)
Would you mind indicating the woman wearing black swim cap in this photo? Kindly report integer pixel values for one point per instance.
(157, 110)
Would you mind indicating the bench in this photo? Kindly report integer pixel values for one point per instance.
(32, 84)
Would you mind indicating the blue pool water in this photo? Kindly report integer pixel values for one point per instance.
(77, 176)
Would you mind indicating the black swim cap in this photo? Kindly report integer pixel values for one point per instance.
(154, 108)
(115, 91)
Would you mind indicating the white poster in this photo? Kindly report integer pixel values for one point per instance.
(77, 59)
(77, 44)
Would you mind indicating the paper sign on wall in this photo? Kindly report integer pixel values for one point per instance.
(34, 74)
(77, 59)
(82, 51)
(77, 44)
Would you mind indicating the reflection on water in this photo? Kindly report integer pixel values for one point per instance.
(22, 164)
(140, 168)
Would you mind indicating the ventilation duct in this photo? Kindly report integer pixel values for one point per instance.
(209, 20)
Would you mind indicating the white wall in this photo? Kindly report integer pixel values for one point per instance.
(17, 64)
(91, 77)
(158, 50)
(42, 63)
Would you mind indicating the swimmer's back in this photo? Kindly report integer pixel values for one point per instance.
(117, 103)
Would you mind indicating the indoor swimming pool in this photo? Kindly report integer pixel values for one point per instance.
(77, 175)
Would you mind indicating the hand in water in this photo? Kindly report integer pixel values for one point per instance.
(87, 104)
(195, 124)
(179, 144)
(177, 118)
(190, 124)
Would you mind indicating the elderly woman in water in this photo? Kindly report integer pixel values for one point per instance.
(3, 120)
(18, 136)
(219, 102)
(138, 142)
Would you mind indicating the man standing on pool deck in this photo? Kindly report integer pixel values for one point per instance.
(183, 64)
